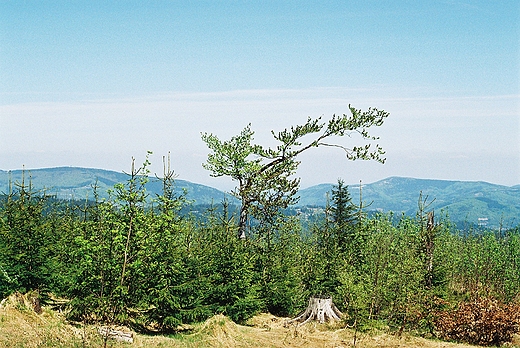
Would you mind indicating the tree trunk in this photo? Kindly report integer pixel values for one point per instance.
(321, 309)
(242, 221)
(430, 240)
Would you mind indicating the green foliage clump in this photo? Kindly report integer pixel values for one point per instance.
(25, 241)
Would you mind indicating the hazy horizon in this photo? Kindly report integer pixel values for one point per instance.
(228, 188)
(93, 83)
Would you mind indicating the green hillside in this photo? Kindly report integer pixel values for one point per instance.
(463, 201)
(77, 183)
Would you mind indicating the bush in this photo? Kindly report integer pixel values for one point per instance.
(483, 321)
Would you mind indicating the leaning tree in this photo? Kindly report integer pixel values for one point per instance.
(265, 175)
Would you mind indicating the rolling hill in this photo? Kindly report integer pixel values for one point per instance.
(77, 183)
(462, 201)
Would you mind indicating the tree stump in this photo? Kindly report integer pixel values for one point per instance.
(320, 308)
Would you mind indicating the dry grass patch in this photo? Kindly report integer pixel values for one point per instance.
(20, 326)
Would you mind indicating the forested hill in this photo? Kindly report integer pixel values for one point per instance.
(463, 201)
(77, 183)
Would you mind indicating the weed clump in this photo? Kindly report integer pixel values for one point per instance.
(483, 321)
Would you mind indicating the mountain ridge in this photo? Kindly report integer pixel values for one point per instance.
(469, 201)
(78, 182)
(463, 201)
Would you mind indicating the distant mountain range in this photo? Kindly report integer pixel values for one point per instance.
(77, 183)
(463, 201)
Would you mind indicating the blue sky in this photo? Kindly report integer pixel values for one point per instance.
(93, 83)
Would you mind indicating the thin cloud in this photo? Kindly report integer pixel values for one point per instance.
(105, 131)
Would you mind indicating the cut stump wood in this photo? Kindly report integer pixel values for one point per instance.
(321, 309)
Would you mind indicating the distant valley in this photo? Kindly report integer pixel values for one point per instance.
(464, 202)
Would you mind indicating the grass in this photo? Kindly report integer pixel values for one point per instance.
(20, 326)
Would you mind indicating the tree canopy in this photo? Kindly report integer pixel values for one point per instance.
(265, 174)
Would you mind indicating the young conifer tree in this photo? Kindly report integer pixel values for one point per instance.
(24, 240)
(344, 216)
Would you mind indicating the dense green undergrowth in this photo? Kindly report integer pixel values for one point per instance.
(125, 261)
